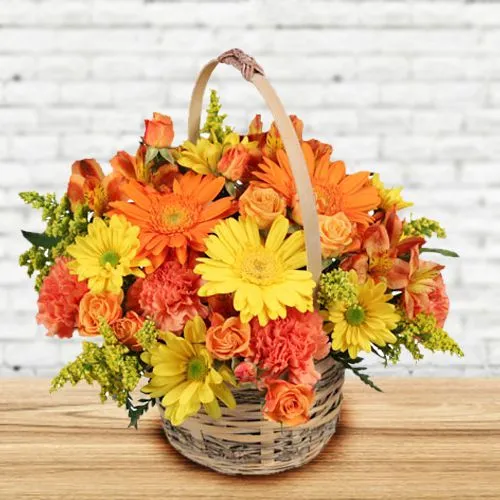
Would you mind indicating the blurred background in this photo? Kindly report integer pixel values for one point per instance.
(407, 88)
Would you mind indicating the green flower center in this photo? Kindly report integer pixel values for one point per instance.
(260, 266)
(355, 315)
(197, 369)
(110, 257)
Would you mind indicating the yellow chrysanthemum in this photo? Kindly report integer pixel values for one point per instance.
(264, 277)
(389, 197)
(184, 376)
(204, 156)
(369, 320)
(106, 254)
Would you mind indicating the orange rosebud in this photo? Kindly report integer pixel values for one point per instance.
(288, 403)
(246, 372)
(125, 329)
(234, 162)
(159, 131)
(95, 308)
(336, 234)
(264, 204)
(228, 338)
(133, 295)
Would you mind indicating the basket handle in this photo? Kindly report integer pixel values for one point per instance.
(254, 73)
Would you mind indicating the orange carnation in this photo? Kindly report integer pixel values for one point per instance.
(159, 131)
(58, 301)
(264, 204)
(95, 308)
(125, 329)
(288, 403)
(228, 338)
(336, 233)
(234, 162)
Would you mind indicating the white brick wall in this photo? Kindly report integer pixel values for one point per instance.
(408, 88)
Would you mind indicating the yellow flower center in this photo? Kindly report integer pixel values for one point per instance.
(355, 315)
(260, 266)
(197, 369)
(109, 257)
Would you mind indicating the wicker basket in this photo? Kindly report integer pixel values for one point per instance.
(242, 441)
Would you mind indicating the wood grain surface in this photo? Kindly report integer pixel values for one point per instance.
(420, 439)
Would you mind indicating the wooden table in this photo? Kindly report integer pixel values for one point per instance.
(421, 439)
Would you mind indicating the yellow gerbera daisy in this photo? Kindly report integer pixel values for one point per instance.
(369, 320)
(106, 254)
(184, 376)
(263, 276)
(389, 197)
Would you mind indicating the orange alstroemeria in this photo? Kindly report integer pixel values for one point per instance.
(335, 190)
(423, 279)
(159, 131)
(381, 247)
(178, 220)
(270, 142)
(135, 168)
(88, 184)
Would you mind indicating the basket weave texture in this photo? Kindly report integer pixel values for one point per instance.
(243, 442)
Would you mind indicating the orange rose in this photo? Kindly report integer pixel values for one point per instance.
(288, 403)
(159, 131)
(264, 204)
(97, 307)
(228, 338)
(234, 162)
(125, 329)
(336, 233)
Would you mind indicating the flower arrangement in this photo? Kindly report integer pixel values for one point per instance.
(188, 265)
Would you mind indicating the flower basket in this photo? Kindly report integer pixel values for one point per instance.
(243, 442)
(241, 274)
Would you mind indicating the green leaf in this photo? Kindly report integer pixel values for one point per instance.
(135, 412)
(151, 154)
(167, 155)
(41, 239)
(442, 251)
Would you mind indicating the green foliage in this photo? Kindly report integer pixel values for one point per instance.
(135, 412)
(40, 239)
(442, 251)
(336, 286)
(422, 331)
(214, 123)
(147, 335)
(424, 227)
(112, 365)
(350, 364)
(63, 226)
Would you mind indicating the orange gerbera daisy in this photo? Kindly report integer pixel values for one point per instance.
(177, 219)
(335, 191)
